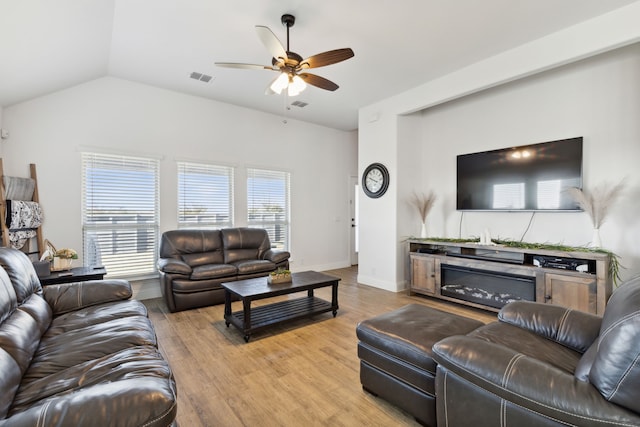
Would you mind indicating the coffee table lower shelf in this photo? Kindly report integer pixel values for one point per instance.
(279, 312)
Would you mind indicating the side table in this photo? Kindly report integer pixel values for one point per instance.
(77, 274)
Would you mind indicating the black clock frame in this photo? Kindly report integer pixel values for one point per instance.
(385, 180)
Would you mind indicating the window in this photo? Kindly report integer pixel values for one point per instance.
(268, 204)
(205, 196)
(120, 220)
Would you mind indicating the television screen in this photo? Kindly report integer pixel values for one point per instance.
(526, 178)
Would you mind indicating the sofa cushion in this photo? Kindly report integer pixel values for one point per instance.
(85, 391)
(530, 344)
(177, 243)
(188, 286)
(616, 368)
(203, 258)
(244, 243)
(213, 271)
(252, 266)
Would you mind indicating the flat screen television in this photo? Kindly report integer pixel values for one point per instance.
(525, 178)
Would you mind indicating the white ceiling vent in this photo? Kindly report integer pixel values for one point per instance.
(202, 77)
(300, 104)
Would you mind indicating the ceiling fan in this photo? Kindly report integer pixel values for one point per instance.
(291, 65)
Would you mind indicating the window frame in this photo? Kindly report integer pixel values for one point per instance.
(121, 257)
(275, 226)
(210, 169)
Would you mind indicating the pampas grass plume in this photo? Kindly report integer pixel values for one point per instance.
(597, 202)
(424, 203)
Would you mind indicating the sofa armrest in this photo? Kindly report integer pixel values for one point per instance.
(172, 265)
(66, 297)
(525, 381)
(276, 255)
(571, 328)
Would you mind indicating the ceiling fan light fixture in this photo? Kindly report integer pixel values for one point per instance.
(296, 85)
(280, 83)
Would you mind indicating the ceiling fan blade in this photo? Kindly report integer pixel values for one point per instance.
(318, 81)
(245, 66)
(271, 42)
(326, 58)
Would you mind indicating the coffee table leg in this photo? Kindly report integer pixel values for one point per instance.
(334, 298)
(246, 311)
(227, 306)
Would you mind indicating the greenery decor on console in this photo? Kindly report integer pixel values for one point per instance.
(614, 265)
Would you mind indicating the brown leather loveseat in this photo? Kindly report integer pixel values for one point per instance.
(77, 354)
(543, 365)
(193, 263)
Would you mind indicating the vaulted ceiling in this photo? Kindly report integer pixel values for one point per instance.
(46, 46)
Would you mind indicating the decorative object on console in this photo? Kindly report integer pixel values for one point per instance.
(597, 204)
(424, 203)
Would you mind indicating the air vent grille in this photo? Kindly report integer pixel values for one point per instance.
(202, 77)
(300, 104)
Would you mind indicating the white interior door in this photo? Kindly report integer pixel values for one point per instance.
(353, 206)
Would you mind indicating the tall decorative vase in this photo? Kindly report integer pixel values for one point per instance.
(423, 230)
(595, 240)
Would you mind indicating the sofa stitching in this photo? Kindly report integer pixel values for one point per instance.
(563, 322)
(161, 415)
(624, 376)
(509, 369)
(619, 321)
(446, 411)
(80, 291)
(43, 414)
(473, 374)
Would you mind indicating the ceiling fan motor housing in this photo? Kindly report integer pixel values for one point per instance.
(288, 20)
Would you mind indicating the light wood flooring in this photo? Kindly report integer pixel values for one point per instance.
(302, 373)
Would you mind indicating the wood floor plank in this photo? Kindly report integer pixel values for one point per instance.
(301, 373)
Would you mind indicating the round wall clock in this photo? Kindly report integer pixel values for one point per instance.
(375, 180)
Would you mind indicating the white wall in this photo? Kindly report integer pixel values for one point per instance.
(383, 134)
(597, 99)
(126, 117)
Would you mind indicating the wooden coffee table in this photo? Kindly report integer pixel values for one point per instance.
(250, 320)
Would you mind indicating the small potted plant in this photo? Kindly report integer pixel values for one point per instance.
(279, 276)
(63, 258)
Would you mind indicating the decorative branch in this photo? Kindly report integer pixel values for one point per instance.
(424, 203)
(597, 203)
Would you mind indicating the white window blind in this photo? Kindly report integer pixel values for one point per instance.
(120, 214)
(205, 196)
(268, 204)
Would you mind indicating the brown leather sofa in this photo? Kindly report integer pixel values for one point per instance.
(543, 365)
(77, 354)
(193, 263)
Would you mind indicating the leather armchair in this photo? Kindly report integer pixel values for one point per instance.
(542, 365)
